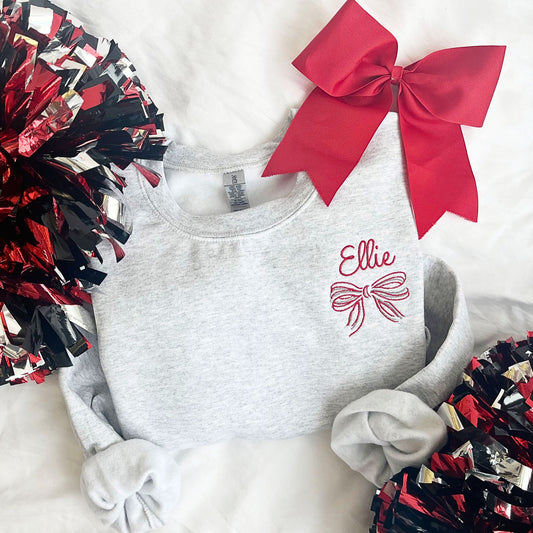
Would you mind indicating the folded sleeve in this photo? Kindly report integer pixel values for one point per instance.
(387, 430)
(131, 484)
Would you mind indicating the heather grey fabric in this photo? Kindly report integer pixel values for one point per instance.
(250, 324)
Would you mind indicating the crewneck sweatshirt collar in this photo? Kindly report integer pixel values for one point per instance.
(255, 219)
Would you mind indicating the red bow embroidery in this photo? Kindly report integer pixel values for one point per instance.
(351, 61)
(389, 288)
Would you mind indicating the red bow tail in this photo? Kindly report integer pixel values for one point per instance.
(436, 95)
(307, 144)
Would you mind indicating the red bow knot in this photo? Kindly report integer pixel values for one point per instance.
(396, 75)
(351, 61)
(347, 296)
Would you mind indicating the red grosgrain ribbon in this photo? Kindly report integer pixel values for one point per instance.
(351, 61)
(347, 296)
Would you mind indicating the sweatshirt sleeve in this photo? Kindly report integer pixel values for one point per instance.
(387, 430)
(132, 485)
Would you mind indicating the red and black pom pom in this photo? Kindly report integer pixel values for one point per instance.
(71, 106)
(482, 480)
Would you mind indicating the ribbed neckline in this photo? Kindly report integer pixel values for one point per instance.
(253, 220)
(233, 224)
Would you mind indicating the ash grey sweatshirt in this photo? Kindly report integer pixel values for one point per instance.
(276, 319)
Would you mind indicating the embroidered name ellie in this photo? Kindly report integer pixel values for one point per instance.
(346, 296)
(367, 257)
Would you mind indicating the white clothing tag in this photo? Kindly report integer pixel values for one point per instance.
(235, 185)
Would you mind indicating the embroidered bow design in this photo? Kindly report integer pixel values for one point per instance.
(352, 63)
(347, 296)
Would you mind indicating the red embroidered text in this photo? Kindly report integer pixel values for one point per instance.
(367, 257)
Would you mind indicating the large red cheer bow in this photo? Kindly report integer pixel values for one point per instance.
(351, 61)
(349, 297)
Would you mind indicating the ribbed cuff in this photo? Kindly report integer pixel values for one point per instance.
(132, 486)
(385, 431)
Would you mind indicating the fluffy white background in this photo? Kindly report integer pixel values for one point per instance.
(221, 72)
